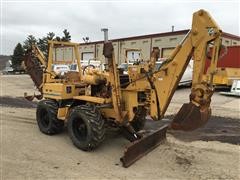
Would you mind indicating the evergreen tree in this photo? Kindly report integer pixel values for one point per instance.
(67, 36)
(50, 35)
(17, 56)
(57, 38)
(29, 42)
(42, 43)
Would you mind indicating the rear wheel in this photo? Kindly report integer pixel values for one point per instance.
(47, 120)
(86, 127)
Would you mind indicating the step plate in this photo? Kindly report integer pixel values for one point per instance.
(141, 147)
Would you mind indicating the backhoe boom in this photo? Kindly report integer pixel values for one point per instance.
(204, 31)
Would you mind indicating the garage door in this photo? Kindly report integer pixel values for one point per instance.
(133, 56)
(87, 55)
(166, 52)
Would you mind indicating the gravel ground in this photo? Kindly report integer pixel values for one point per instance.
(211, 152)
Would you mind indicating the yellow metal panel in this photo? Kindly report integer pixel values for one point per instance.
(108, 113)
(225, 76)
(153, 106)
(93, 99)
(58, 91)
(62, 113)
(130, 101)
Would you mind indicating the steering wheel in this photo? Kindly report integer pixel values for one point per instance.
(88, 66)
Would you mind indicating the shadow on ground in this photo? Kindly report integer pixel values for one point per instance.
(18, 102)
(221, 129)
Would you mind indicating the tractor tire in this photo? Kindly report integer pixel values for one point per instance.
(139, 120)
(86, 127)
(47, 120)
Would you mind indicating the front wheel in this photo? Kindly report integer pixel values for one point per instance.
(86, 127)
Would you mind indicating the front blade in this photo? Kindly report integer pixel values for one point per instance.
(190, 117)
(141, 147)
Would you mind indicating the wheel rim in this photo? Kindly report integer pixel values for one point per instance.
(79, 129)
(44, 118)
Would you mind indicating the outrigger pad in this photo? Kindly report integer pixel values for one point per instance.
(141, 147)
(190, 117)
(30, 98)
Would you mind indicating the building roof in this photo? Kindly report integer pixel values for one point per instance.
(181, 32)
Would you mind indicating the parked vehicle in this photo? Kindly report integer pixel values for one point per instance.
(8, 70)
(60, 69)
(93, 63)
(235, 89)
(186, 78)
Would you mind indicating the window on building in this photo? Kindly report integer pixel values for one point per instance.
(133, 56)
(166, 52)
(172, 39)
(87, 55)
(234, 43)
(146, 41)
(227, 41)
(133, 43)
(158, 40)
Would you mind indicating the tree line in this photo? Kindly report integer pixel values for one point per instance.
(42, 43)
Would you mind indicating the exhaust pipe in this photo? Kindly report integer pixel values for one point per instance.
(105, 31)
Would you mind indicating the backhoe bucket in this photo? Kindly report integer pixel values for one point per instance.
(141, 147)
(190, 117)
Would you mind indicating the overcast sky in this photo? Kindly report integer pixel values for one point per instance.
(123, 18)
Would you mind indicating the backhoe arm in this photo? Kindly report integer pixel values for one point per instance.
(196, 113)
(35, 63)
(38, 53)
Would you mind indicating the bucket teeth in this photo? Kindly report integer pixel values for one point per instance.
(141, 147)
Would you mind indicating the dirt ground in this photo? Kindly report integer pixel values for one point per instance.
(211, 152)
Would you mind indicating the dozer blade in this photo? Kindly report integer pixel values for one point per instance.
(141, 147)
(190, 117)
